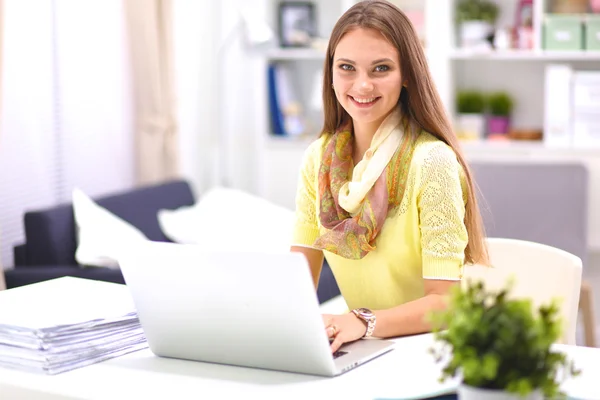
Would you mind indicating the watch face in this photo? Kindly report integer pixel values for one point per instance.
(365, 312)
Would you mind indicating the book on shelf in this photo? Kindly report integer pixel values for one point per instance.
(285, 111)
(557, 108)
(586, 109)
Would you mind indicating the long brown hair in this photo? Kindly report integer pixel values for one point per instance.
(419, 99)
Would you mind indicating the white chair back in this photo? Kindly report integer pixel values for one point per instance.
(540, 272)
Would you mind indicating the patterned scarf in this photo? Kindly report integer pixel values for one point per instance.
(354, 211)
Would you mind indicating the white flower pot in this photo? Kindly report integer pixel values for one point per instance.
(466, 392)
(470, 126)
(474, 33)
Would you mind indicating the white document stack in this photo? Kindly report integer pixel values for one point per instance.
(67, 323)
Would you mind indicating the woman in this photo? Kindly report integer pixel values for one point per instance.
(385, 193)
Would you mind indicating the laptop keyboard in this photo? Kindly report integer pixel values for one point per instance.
(339, 353)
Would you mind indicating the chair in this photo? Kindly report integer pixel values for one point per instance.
(540, 202)
(587, 314)
(541, 273)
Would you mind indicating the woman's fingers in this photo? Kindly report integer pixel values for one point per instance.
(329, 325)
(330, 331)
(336, 344)
(333, 330)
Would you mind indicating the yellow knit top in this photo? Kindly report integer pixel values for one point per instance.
(424, 238)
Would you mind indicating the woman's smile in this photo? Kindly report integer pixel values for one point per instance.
(363, 102)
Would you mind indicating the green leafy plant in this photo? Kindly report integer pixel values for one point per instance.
(470, 102)
(500, 343)
(476, 10)
(500, 104)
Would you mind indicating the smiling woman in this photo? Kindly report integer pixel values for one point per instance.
(385, 194)
(366, 80)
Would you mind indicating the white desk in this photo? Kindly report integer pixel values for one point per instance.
(406, 372)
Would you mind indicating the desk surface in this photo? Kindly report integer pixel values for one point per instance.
(406, 372)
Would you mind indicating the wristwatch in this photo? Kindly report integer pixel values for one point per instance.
(368, 317)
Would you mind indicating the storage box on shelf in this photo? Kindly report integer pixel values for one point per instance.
(563, 32)
(574, 32)
(592, 32)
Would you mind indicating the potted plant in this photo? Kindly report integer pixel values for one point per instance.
(500, 106)
(470, 105)
(500, 347)
(476, 19)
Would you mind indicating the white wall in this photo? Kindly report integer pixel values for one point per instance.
(94, 119)
(196, 26)
(66, 107)
(216, 81)
(242, 81)
(27, 171)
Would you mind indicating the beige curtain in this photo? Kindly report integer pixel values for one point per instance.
(2, 281)
(149, 29)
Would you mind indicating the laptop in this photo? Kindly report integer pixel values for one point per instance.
(246, 309)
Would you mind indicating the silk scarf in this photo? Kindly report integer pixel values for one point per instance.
(353, 210)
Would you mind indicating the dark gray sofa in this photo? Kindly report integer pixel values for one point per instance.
(49, 249)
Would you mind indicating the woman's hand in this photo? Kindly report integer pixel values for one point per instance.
(343, 329)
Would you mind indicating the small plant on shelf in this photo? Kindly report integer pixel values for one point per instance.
(476, 20)
(476, 10)
(497, 344)
(500, 106)
(470, 121)
(470, 102)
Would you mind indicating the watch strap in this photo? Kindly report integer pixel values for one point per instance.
(368, 317)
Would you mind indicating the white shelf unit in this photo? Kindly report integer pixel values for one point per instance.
(281, 157)
(294, 54)
(516, 71)
(526, 55)
(521, 73)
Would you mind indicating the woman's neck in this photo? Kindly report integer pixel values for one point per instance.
(363, 135)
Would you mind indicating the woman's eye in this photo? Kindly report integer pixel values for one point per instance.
(382, 68)
(347, 67)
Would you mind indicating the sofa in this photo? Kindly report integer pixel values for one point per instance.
(50, 236)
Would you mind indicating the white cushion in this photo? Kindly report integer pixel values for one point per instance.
(227, 219)
(101, 235)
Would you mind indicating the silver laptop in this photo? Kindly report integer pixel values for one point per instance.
(238, 308)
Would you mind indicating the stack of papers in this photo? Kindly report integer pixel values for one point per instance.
(66, 323)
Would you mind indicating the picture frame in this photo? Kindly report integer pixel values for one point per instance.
(297, 23)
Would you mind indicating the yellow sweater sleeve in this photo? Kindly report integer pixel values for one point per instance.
(306, 228)
(441, 203)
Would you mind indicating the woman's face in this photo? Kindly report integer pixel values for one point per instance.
(366, 75)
